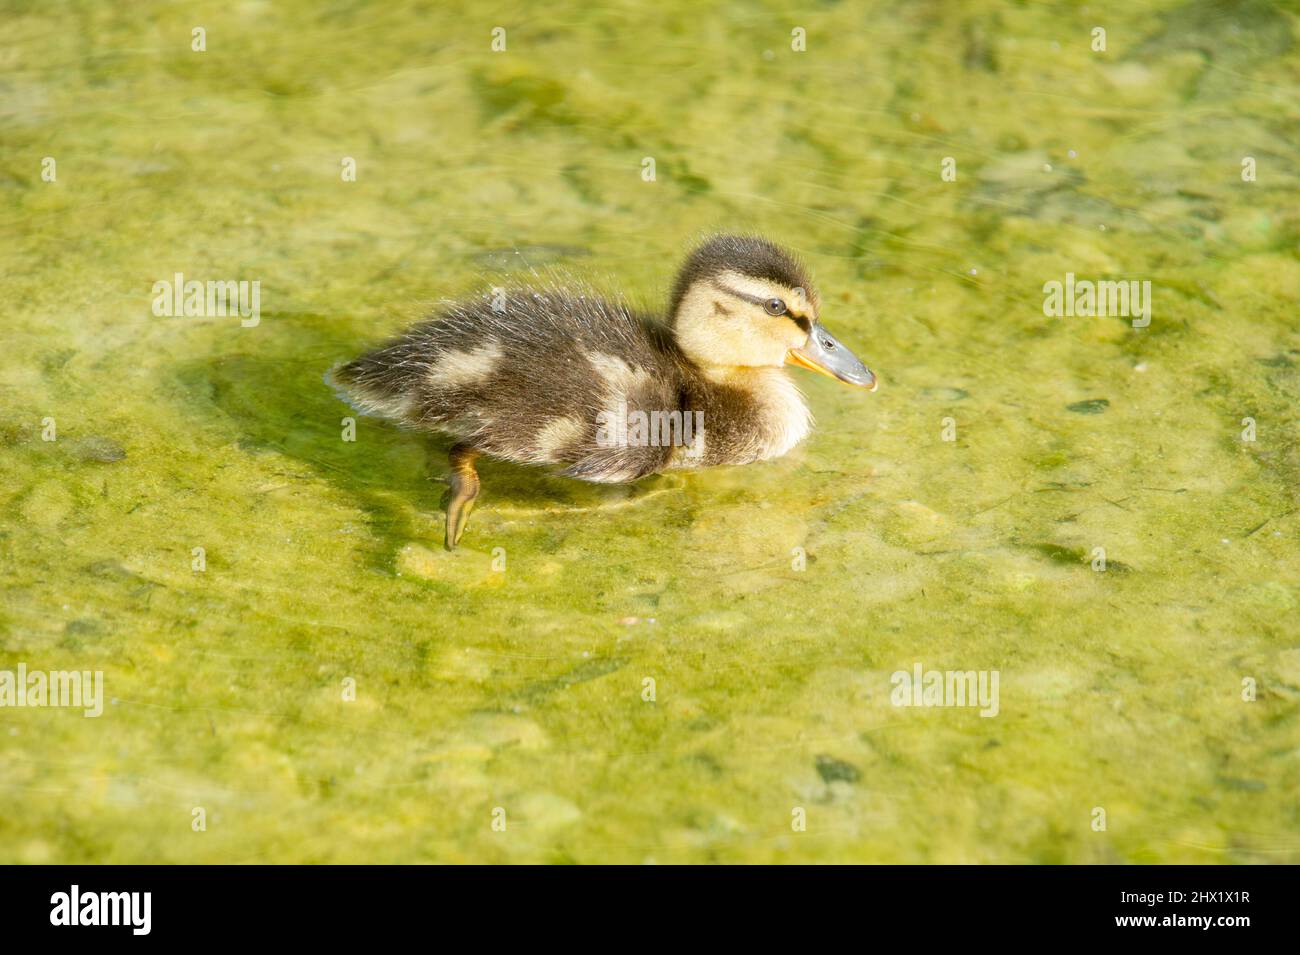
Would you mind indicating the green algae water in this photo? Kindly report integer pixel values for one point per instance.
(699, 667)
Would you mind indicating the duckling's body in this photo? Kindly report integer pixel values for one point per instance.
(536, 381)
(565, 378)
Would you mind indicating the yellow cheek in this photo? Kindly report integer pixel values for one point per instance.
(775, 341)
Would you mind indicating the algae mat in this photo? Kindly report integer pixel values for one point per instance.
(1100, 510)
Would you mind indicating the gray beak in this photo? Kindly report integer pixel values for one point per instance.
(824, 353)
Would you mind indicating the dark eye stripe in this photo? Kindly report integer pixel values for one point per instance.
(755, 300)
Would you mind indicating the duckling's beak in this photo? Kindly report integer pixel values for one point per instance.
(826, 354)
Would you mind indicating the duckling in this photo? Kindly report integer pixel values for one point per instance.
(557, 375)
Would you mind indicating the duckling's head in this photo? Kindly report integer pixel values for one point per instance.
(741, 302)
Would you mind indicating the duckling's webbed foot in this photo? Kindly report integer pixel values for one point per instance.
(463, 489)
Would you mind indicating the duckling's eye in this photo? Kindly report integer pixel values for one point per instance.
(774, 306)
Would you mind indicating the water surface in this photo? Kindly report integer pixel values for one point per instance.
(523, 688)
